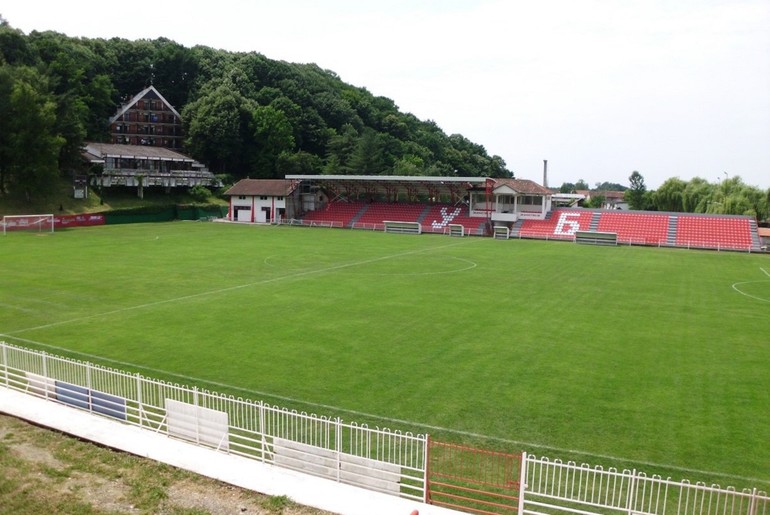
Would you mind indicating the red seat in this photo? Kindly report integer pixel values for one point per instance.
(635, 228)
(562, 224)
(708, 231)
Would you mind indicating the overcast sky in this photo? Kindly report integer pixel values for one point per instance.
(671, 88)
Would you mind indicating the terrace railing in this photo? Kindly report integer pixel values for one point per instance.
(402, 464)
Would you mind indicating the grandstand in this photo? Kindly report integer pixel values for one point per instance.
(560, 224)
(524, 208)
(724, 232)
(636, 228)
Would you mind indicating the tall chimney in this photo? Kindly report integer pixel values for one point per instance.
(545, 173)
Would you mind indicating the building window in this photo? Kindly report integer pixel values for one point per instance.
(532, 200)
(263, 198)
(241, 197)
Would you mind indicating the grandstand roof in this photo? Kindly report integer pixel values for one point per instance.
(389, 178)
(267, 187)
(390, 184)
(418, 185)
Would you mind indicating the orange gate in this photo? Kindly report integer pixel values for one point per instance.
(472, 480)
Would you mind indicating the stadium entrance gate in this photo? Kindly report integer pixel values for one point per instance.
(473, 480)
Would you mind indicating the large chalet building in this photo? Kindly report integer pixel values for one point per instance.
(147, 119)
(146, 148)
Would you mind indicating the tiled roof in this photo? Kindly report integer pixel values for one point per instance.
(267, 187)
(619, 195)
(523, 186)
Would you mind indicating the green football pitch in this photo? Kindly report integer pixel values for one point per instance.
(646, 358)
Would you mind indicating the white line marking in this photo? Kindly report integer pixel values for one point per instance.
(18, 308)
(470, 265)
(232, 288)
(394, 420)
(736, 285)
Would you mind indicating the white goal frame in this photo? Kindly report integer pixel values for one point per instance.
(402, 227)
(501, 232)
(34, 223)
(455, 230)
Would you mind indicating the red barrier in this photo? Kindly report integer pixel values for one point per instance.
(63, 221)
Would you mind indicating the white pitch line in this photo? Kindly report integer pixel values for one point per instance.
(230, 288)
(735, 287)
(395, 420)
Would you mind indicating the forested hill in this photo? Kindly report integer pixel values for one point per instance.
(244, 114)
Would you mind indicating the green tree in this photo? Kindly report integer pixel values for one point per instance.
(14, 47)
(596, 201)
(71, 114)
(218, 125)
(409, 165)
(339, 151)
(582, 185)
(696, 194)
(497, 168)
(670, 195)
(6, 111)
(174, 71)
(609, 186)
(298, 163)
(366, 158)
(635, 194)
(734, 197)
(272, 136)
(30, 146)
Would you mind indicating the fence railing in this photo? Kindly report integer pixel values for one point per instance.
(554, 486)
(375, 458)
(379, 459)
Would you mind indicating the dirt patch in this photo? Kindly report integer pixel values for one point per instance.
(35, 454)
(44, 471)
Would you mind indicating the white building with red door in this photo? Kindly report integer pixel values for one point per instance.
(262, 200)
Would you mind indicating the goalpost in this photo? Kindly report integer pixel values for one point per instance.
(29, 223)
(501, 232)
(455, 230)
(402, 227)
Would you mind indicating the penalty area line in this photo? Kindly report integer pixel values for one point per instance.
(391, 419)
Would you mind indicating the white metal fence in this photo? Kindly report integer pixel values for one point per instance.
(554, 486)
(374, 458)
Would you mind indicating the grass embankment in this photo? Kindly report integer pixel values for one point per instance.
(60, 201)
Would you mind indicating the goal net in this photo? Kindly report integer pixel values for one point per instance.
(28, 223)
